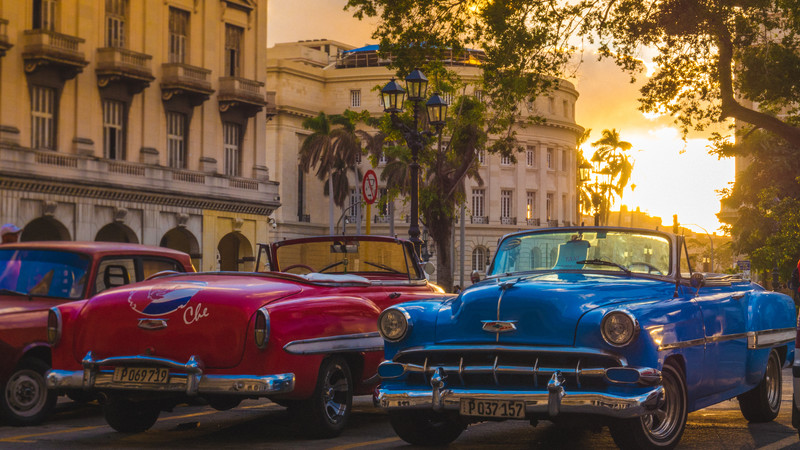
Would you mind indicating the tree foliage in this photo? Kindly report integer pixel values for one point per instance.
(765, 196)
(612, 169)
(698, 44)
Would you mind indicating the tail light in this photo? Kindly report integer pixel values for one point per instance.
(262, 328)
(53, 326)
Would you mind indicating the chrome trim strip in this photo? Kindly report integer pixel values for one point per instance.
(364, 342)
(589, 402)
(768, 338)
(755, 339)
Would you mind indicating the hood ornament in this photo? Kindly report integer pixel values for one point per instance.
(499, 326)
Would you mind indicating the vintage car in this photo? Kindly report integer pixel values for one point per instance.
(34, 277)
(302, 334)
(575, 323)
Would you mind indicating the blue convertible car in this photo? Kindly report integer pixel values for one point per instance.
(589, 322)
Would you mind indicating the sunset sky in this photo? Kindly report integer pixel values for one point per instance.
(671, 176)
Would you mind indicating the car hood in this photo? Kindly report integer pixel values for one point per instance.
(203, 315)
(543, 309)
(12, 304)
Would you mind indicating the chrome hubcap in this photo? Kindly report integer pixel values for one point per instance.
(772, 381)
(335, 394)
(26, 393)
(664, 421)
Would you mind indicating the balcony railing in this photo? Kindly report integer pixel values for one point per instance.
(552, 223)
(272, 107)
(479, 219)
(242, 89)
(304, 218)
(533, 222)
(132, 178)
(186, 77)
(380, 219)
(48, 47)
(508, 220)
(128, 67)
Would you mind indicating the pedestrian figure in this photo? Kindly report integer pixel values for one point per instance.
(794, 284)
(9, 233)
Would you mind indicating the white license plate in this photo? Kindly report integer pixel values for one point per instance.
(505, 409)
(150, 375)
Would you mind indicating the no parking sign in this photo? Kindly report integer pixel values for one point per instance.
(369, 187)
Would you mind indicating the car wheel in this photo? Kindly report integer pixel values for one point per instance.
(426, 428)
(763, 402)
(329, 407)
(126, 416)
(26, 400)
(662, 429)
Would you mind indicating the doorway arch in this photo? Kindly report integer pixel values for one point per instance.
(116, 232)
(44, 229)
(235, 253)
(183, 240)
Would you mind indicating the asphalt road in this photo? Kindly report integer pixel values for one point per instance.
(262, 424)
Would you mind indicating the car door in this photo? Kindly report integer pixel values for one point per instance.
(724, 319)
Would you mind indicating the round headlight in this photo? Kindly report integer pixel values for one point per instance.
(394, 324)
(619, 328)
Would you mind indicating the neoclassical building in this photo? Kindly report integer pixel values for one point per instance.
(329, 76)
(137, 121)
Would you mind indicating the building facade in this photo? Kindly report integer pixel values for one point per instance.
(137, 121)
(538, 190)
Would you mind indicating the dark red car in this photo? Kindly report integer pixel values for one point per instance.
(304, 333)
(36, 276)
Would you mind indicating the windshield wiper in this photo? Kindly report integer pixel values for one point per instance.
(601, 262)
(10, 292)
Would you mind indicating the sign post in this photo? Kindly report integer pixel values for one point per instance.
(369, 189)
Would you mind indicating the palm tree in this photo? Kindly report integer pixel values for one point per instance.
(332, 148)
(614, 165)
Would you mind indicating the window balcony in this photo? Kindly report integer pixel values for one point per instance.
(125, 66)
(236, 92)
(45, 48)
(479, 219)
(304, 218)
(272, 106)
(508, 220)
(552, 223)
(380, 219)
(533, 222)
(182, 79)
(5, 44)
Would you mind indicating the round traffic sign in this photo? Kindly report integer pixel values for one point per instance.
(369, 187)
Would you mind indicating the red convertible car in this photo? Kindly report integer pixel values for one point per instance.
(303, 333)
(34, 277)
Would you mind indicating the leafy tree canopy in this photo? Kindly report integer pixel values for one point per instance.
(766, 193)
(698, 43)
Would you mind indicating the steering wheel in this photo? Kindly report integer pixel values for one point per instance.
(650, 268)
(299, 266)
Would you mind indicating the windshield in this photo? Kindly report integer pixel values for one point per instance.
(362, 257)
(611, 250)
(46, 273)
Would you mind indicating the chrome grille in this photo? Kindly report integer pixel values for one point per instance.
(507, 366)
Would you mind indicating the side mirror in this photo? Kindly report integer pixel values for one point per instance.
(475, 276)
(697, 280)
(429, 268)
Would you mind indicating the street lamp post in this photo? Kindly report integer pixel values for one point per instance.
(436, 110)
(586, 171)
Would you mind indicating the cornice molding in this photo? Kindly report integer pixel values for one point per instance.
(114, 194)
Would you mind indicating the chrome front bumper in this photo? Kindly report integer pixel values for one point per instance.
(190, 380)
(555, 400)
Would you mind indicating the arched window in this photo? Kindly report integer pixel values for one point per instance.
(479, 259)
